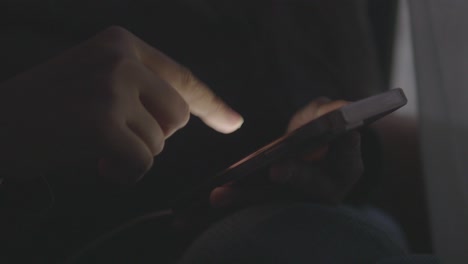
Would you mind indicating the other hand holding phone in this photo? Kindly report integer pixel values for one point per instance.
(325, 174)
(322, 141)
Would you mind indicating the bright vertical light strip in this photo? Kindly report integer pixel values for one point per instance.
(403, 72)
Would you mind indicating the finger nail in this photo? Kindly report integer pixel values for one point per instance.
(234, 118)
(229, 121)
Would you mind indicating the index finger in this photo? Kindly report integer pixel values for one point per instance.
(202, 101)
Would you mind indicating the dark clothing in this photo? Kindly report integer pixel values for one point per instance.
(275, 233)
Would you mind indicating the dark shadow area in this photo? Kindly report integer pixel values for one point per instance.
(266, 60)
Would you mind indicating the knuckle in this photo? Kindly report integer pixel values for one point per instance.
(117, 33)
(107, 100)
(177, 119)
(158, 146)
(120, 64)
(109, 62)
(114, 58)
(156, 141)
(183, 115)
(187, 79)
(113, 44)
(119, 74)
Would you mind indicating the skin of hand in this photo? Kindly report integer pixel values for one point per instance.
(112, 100)
(324, 175)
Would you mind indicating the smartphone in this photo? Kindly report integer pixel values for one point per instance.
(312, 135)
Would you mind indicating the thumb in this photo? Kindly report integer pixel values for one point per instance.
(314, 110)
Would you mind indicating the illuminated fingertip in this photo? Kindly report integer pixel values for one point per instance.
(224, 124)
(235, 125)
(233, 118)
(229, 128)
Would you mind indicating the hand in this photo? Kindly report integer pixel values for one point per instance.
(325, 175)
(112, 99)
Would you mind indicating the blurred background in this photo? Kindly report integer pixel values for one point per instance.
(419, 46)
